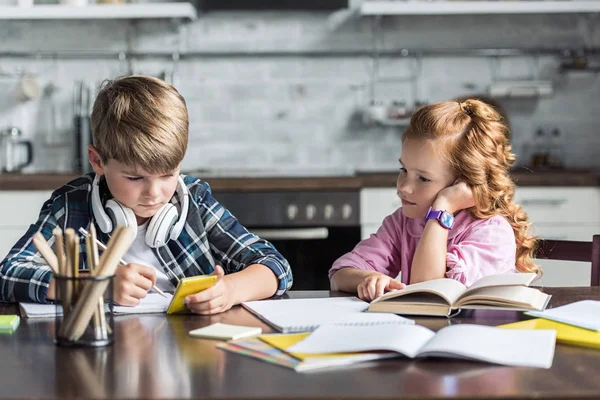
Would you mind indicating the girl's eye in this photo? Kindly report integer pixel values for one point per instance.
(423, 179)
(403, 170)
(134, 178)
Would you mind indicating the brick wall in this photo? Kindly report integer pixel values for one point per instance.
(303, 112)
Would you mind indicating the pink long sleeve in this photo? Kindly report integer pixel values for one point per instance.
(487, 249)
(476, 248)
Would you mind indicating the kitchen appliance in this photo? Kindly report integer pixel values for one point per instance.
(10, 142)
(310, 228)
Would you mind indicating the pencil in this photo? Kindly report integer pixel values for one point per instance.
(121, 261)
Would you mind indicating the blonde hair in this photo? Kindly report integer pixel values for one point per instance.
(474, 145)
(140, 121)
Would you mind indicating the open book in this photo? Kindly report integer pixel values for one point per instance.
(526, 348)
(442, 296)
(303, 315)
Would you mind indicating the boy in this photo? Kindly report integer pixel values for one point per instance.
(140, 130)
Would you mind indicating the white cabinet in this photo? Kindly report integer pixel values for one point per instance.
(565, 213)
(18, 210)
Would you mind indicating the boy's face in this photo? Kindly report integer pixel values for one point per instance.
(144, 193)
(422, 175)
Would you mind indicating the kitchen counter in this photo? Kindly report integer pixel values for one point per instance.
(562, 177)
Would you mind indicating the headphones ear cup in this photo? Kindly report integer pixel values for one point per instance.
(159, 228)
(121, 215)
(102, 219)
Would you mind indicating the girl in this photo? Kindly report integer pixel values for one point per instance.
(457, 220)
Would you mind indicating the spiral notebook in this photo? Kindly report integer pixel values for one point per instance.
(305, 315)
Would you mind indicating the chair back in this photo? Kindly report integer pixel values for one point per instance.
(568, 250)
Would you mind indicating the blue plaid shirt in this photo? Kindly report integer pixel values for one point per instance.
(211, 236)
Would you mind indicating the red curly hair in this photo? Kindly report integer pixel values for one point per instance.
(475, 146)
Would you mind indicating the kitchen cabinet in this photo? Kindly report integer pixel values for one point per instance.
(184, 11)
(386, 7)
(565, 213)
(18, 210)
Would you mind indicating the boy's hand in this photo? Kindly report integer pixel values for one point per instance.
(457, 197)
(215, 299)
(376, 285)
(132, 282)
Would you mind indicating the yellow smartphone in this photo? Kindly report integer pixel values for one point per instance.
(187, 286)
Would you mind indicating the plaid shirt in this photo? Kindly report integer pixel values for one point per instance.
(211, 236)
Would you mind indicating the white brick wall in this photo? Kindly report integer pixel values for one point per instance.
(302, 112)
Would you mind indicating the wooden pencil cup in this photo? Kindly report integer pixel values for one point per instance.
(84, 316)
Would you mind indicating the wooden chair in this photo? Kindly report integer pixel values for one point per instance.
(567, 250)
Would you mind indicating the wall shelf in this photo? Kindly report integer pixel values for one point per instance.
(184, 11)
(400, 7)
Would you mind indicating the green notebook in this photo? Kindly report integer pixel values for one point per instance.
(8, 323)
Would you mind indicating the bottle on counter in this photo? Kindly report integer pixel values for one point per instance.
(81, 127)
(540, 149)
(556, 154)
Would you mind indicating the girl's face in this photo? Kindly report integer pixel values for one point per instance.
(422, 175)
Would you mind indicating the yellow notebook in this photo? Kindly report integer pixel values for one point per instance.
(187, 286)
(566, 334)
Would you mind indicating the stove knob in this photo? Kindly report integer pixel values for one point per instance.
(311, 211)
(292, 211)
(328, 211)
(346, 211)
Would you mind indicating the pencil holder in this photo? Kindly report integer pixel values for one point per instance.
(84, 311)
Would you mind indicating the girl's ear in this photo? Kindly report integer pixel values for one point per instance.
(95, 160)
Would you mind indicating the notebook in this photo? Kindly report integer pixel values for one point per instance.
(584, 314)
(152, 303)
(8, 323)
(302, 315)
(261, 350)
(566, 334)
(464, 341)
(226, 332)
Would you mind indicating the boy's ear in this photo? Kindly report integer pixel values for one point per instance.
(95, 160)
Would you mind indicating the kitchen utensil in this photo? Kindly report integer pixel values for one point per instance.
(10, 140)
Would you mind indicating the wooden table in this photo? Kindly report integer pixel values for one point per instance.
(153, 357)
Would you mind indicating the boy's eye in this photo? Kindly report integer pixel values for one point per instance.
(423, 179)
(134, 178)
(403, 170)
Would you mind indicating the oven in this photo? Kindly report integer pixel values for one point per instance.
(310, 228)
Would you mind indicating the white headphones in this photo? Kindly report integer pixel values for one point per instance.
(166, 224)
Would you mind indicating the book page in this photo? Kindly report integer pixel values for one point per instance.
(495, 345)
(301, 315)
(518, 297)
(514, 279)
(152, 303)
(403, 339)
(448, 289)
(584, 314)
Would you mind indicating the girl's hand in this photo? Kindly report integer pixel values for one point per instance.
(132, 282)
(215, 299)
(375, 285)
(457, 197)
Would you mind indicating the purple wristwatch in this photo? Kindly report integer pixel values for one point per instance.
(445, 218)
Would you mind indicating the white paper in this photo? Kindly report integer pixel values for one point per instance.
(584, 314)
(404, 339)
(152, 303)
(528, 348)
(524, 348)
(301, 315)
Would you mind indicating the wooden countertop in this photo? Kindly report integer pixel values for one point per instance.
(570, 177)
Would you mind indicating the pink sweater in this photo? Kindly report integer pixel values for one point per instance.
(476, 248)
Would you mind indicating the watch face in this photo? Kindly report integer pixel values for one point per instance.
(447, 219)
